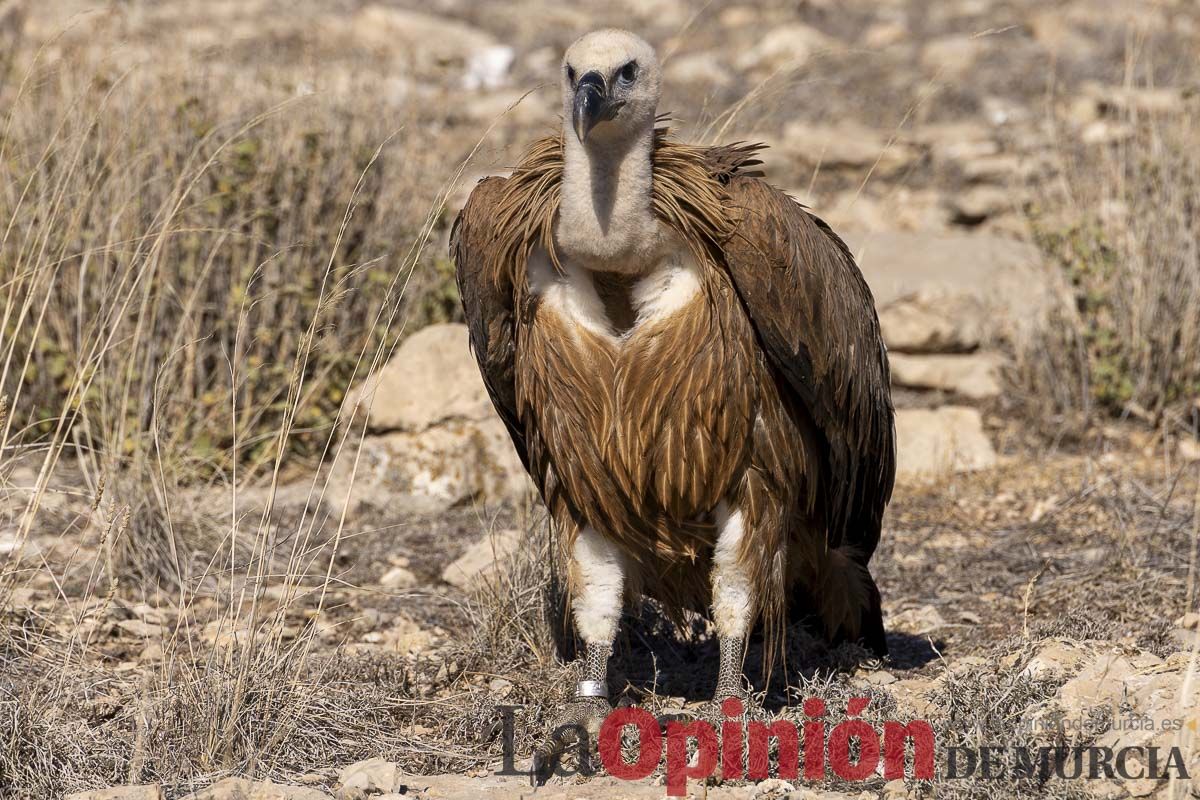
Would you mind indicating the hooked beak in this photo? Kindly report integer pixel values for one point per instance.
(592, 104)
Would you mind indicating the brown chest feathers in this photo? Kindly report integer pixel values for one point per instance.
(645, 399)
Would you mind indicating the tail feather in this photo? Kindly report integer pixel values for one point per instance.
(849, 602)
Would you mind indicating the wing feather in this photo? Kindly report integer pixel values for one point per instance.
(488, 299)
(816, 322)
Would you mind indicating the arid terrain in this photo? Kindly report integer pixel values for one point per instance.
(262, 536)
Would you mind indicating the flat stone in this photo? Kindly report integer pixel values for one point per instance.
(243, 789)
(481, 558)
(846, 145)
(373, 775)
(931, 443)
(144, 792)
(976, 376)
(1057, 659)
(920, 621)
(1143, 100)
(992, 168)
(1005, 280)
(1152, 702)
(601, 787)
(449, 465)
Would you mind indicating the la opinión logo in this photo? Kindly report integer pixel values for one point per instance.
(852, 749)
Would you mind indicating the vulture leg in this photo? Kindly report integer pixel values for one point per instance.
(598, 584)
(733, 601)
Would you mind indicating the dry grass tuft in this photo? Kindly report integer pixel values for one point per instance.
(1126, 233)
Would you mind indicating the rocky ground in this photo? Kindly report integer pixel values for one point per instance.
(351, 632)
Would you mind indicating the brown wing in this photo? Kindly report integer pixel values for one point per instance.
(488, 301)
(816, 321)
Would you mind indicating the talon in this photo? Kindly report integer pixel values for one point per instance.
(581, 713)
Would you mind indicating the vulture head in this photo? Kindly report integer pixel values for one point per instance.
(611, 84)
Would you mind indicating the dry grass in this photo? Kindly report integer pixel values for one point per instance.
(171, 260)
(1123, 225)
(190, 278)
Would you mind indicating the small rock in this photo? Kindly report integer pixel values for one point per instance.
(501, 687)
(1102, 132)
(1189, 449)
(884, 34)
(144, 792)
(481, 559)
(138, 627)
(488, 68)
(784, 46)
(9, 540)
(698, 68)
(951, 56)
(1141, 100)
(879, 677)
(919, 621)
(220, 634)
(934, 442)
(1189, 621)
(405, 636)
(374, 775)
(977, 204)
(913, 697)
(772, 787)
(508, 106)
(1051, 29)
(991, 168)
(398, 578)
(957, 141)
(976, 376)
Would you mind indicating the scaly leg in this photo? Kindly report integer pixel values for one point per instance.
(598, 572)
(733, 602)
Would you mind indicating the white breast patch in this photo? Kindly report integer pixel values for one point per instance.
(572, 295)
(670, 286)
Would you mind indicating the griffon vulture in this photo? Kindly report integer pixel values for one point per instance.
(691, 368)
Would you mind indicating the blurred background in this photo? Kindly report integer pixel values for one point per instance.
(256, 515)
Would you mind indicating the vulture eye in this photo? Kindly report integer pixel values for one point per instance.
(628, 73)
(571, 74)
